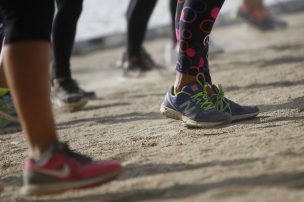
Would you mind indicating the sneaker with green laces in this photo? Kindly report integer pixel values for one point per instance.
(8, 115)
(193, 107)
(223, 104)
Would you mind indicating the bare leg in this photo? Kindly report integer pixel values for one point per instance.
(28, 75)
(3, 83)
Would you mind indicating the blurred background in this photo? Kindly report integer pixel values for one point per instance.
(104, 17)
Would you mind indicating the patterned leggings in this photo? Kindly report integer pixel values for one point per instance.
(194, 22)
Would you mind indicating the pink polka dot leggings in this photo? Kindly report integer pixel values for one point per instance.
(194, 22)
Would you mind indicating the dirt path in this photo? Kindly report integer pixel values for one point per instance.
(255, 160)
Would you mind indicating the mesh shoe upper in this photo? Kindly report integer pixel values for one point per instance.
(194, 103)
(223, 104)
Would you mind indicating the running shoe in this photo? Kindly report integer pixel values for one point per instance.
(90, 95)
(222, 104)
(193, 107)
(67, 96)
(8, 116)
(61, 169)
(266, 24)
(150, 63)
(136, 66)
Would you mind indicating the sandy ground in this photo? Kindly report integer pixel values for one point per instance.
(255, 160)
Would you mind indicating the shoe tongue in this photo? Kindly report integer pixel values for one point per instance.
(193, 88)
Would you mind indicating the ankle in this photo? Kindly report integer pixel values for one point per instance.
(38, 151)
(182, 80)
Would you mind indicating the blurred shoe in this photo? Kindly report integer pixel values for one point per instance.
(238, 112)
(67, 96)
(133, 68)
(150, 63)
(8, 116)
(193, 107)
(136, 66)
(266, 24)
(61, 169)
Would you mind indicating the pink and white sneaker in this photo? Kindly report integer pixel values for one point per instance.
(61, 169)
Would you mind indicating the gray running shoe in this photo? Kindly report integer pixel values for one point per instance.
(238, 112)
(8, 115)
(193, 106)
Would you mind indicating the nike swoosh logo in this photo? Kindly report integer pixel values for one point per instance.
(63, 172)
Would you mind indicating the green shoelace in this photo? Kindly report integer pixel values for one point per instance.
(202, 99)
(220, 103)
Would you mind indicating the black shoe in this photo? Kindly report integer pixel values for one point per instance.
(150, 63)
(135, 66)
(66, 95)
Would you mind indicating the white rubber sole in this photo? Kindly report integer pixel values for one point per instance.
(59, 105)
(170, 113)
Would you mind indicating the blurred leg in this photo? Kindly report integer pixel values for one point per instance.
(173, 5)
(138, 15)
(63, 36)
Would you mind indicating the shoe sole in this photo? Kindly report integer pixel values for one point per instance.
(244, 116)
(170, 113)
(69, 107)
(55, 188)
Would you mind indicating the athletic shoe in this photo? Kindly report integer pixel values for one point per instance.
(193, 106)
(150, 63)
(269, 23)
(8, 116)
(91, 95)
(66, 95)
(61, 169)
(238, 112)
(136, 66)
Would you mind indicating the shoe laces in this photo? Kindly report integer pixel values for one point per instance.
(221, 103)
(201, 98)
